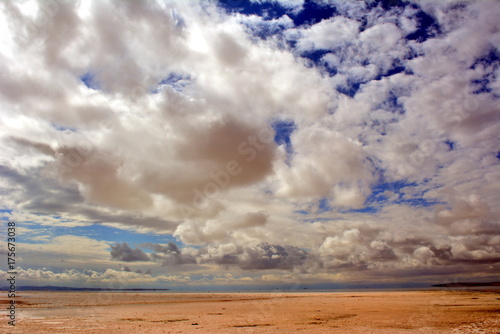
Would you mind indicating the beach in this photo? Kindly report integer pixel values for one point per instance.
(445, 311)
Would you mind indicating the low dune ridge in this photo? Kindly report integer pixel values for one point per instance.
(312, 312)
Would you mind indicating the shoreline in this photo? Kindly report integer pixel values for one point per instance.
(275, 291)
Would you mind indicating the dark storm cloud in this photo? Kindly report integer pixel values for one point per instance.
(123, 252)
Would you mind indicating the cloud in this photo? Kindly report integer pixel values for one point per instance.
(200, 232)
(109, 279)
(170, 248)
(138, 271)
(170, 254)
(294, 6)
(78, 248)
(123, 252)
(261, 257)
(312, 173)
(328, 34)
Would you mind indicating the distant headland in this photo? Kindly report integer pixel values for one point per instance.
(66, 288)
(467, 284)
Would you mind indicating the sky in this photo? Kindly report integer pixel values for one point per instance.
(250, 144)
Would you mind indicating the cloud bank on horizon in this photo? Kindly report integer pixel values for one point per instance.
(251, 142)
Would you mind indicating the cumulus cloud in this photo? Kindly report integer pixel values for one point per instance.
(108, 279)
(263, 256)
(328, 34)
(123, 252)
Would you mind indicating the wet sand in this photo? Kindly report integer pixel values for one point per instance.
(355, 312)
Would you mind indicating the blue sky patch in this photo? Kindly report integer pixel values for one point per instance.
(482, 84)
(175, 80)
(394, 70)
(324, 205)
(392, 104)
(390, 4)
(3, 212)
(315, 56)
(350, 90)
(366, 209)
(62, 128)
(418, 202)
(283, 130)
(451, 144)
(428, 27)
(320, 219)
(314, 13)
(98, 232)
(491, 58)
(401, 190)
(311, 13)
(267, 10)
(179, 20)
(265, 29)
(90, 81)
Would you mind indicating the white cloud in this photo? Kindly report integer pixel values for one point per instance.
(328, 34)
(109, 279)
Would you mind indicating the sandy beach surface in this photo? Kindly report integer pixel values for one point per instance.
(338, 312)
